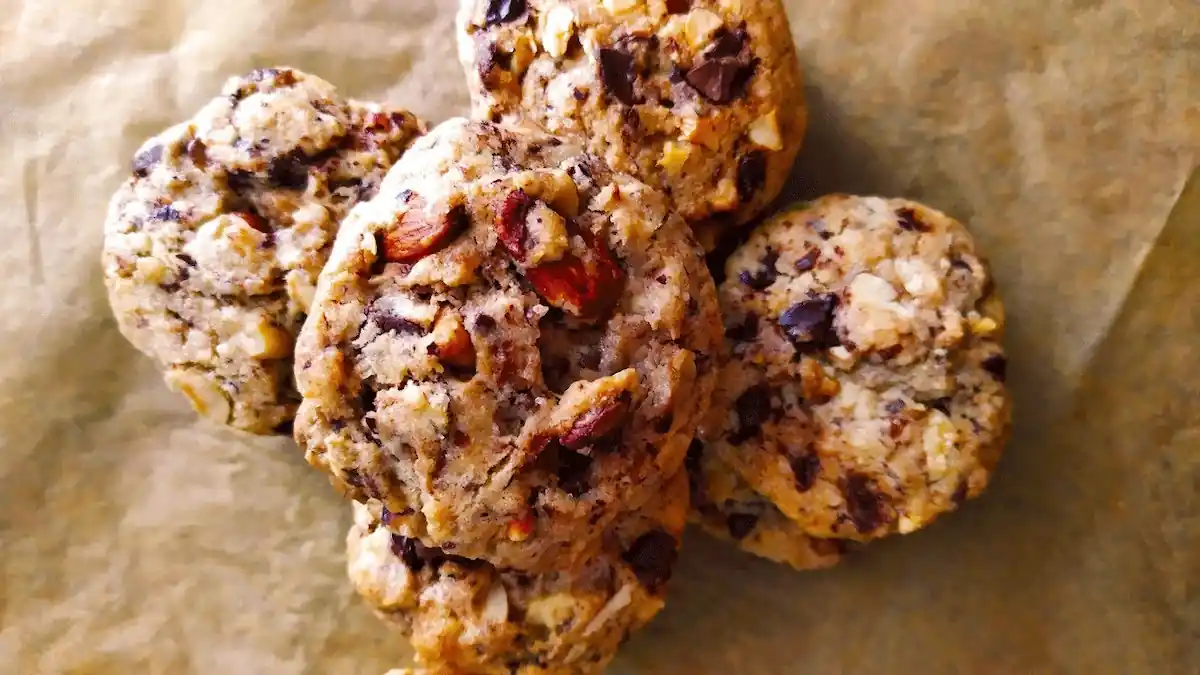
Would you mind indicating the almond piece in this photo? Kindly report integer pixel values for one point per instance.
(416, 234)
(598, 422)
(587, 287)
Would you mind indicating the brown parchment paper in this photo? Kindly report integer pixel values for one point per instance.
(135, 539)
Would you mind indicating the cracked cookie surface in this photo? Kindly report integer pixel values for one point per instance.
(865, 391)
(465, 616)
(702, 99)
(727, 508)
(212, 248)
(510, 347)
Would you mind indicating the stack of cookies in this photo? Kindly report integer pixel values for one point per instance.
(500, 339)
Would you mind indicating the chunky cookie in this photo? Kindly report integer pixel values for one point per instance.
(510, 347)
(702, 99)
(213, 246)
(727, 508)
(467, 616)
(865, 393)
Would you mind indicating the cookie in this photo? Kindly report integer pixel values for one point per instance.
(865, 393)
(702, 99)
(466, 616)
(725, 507)
(213, 246)
(510, 347)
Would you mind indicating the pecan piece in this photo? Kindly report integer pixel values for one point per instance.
(415, 234)
(597, 422)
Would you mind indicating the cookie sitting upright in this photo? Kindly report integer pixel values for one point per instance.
(510, 348)
(212, 248)
(702, 99)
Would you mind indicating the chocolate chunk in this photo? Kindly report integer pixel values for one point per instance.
(746, 331)
(504, 11)
(284, 428)
(960, 493)
(186, 259)
(722, 71)
(997, 365)
(165, 213)
(652, 558)
(765, 276)
(890, 352)
(753, 406)
(809, 323)
(908, 221)
(618, 74)
(288, 172)
(751, 174)
(484, 324)
(863, 503)
(663, 424)
(942, 404)
(145, 160)
(389, 322)
(416, 555)
(741, 524)
(569, 466)
(808, 261)
(678, 6)
(895, 406)
(805, 470)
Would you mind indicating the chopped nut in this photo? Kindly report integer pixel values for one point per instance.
(597, 422)
(938, 441)
(416, 234)
(983, 326)
(725, 197)
(495, 608)
(701, 130)
(555, 187)
(150, 270)
(675, 155)
(764, 132)
(622, 6)
(587, 288)
(301, 288)
(268, 341)
(700, 26)
(520, 528)
(205, 395)
(523, 52)
(558, 30)
(453, 342)
(531, 231)
(909, 524)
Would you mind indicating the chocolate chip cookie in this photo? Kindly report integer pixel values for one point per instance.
(467, 616)
(510, 347)
(213, 246)
(865, 394)
(702, 99)
(725, 506)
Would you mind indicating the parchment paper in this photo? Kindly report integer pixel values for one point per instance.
(136, 539)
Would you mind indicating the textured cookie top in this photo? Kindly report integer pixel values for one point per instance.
(725, 506)
(212, 248)
(509, 348)
(702, 99)
(467, 616)
(865, 393)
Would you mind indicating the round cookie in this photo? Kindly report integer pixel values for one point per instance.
(467, 616)
(702, 99)
(213, 246)
(865, 392)
(510, 347)
(724, 506)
